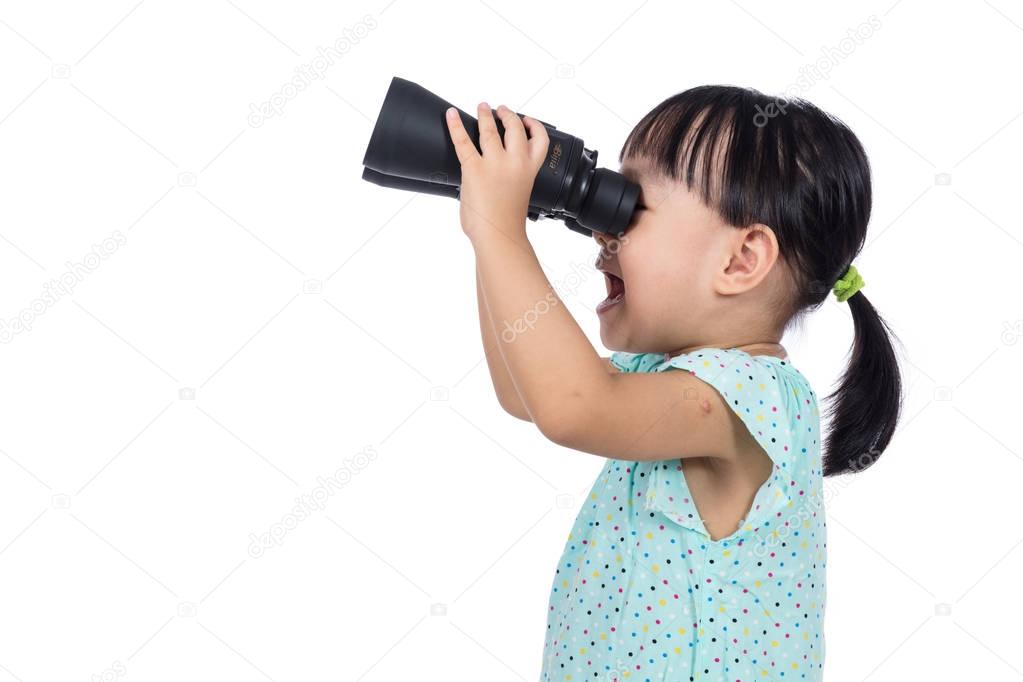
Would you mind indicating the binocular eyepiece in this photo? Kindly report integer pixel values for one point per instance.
(411, 149)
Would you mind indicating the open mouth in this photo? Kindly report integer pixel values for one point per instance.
(615, 292)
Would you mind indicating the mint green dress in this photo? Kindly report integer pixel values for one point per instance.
(643, 594)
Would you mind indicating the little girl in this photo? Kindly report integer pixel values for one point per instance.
(700, 552)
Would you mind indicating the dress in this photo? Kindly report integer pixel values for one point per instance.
(642, 593)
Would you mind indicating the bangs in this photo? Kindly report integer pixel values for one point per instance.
(721, 142)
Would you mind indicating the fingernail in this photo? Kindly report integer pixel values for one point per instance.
(451, 112)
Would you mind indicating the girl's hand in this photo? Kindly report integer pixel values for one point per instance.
(496, 186)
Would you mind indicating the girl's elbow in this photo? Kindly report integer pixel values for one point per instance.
(518, 412)
(561, 425)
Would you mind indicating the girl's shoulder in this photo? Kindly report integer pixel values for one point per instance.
(776, 404)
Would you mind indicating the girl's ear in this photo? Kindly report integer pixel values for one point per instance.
(751, 253)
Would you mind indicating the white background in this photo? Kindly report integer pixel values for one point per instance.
(265, 316)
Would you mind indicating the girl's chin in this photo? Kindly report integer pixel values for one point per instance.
(611, 336)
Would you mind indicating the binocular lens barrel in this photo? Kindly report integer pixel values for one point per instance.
(411, 149)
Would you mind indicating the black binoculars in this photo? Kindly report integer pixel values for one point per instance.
(411, 149)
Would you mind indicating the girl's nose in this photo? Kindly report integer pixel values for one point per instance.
(608, 246)
(608, 243)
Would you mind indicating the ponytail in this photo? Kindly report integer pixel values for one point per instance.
(865, 407)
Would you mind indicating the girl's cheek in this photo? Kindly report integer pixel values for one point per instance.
(660, 279)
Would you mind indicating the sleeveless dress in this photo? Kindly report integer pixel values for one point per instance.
(642, 593)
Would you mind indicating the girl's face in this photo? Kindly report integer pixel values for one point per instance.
(667, 262)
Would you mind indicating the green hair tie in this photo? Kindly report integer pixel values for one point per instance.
(850, 283)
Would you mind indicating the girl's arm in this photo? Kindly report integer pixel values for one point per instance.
(507, 395)
(504, 387)
(563, 384)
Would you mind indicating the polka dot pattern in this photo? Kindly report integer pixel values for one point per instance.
(642, 593)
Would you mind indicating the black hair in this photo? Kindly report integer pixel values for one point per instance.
(786, 164)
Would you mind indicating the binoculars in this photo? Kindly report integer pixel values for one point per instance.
(411, 149)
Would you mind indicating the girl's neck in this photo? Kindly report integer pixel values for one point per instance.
(763, 348)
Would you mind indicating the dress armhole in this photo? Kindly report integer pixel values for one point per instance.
(775, 404)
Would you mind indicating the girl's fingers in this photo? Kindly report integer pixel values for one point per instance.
(490, 141)
(514, 133)
(538, 139)
(464, 148)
